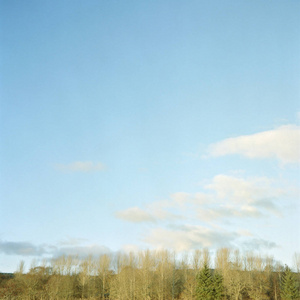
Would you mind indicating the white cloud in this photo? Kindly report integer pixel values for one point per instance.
(224, 198)
(282, 143)
(155, 212)
(228, 212)
(188, 237)
(228, 197)
(236, 197)
(130, 248)
(135, 215)
(240, 190)
(196, 220)
(81, 166)
(182, 199)
(243, 232)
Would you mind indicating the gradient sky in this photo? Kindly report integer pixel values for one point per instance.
(148, 124)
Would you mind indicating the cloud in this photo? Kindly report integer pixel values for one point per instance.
(256, 190)
(196, 220)
(182, 199)
(130, 248)
(224, 198)
(21, 248)
(188, 237)
(259, 244)
(80, 166)
(82, 251)
(161, 210)
(282, 143)
(240, 190)
(154, 213)
(69, 241)
(135, 215)
(241, 197)
(30, 249)
(243, 232)
(216, 213)
(268, 205)
(231, 196)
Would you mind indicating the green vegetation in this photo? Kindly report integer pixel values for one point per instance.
(205, 286)
(289, 285)
(154, 275)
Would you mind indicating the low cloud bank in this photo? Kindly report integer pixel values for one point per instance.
(29, 249)
(21, 248)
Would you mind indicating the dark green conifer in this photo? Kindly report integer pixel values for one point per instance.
(218, 286)
(205, 284)
(289, 287)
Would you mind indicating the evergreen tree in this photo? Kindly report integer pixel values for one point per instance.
(218, 286)
(205, 285)
(289, 288)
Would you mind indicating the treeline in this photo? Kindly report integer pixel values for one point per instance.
(157, 275)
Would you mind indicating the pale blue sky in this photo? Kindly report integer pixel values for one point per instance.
(109, 109)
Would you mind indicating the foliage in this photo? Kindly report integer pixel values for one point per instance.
(218, 286)
(153, 276)
(205, 284)
(289, 286)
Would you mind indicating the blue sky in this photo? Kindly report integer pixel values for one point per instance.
(148, 124)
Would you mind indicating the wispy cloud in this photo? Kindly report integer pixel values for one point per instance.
(228, 213)
(223, 200)
(135, 215)
(259, 244)
(181, 199)
(188, 237)
(80, 166)
(82, 251)
(186, 221)
(225, 197)
(153, 214)
(282, 143)
(240, 197)
(70, 241)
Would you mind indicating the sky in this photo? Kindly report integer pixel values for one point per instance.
(131, 125)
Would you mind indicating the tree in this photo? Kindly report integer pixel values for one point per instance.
(258, 281)
(190, 280)
(235, 281)
(205, 286)
(289, 288)
(104, 274)
(146, 264)
(164, 275)
(218, 286)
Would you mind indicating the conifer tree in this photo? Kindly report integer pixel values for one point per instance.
(205, 284)
(289, 288)
(218, 286)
